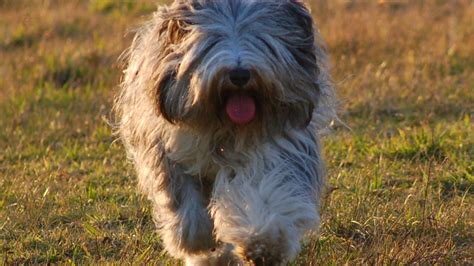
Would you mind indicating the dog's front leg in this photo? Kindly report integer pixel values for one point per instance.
(264, 208)
(179, 210)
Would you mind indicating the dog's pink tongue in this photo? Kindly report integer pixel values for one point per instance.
(240, 108)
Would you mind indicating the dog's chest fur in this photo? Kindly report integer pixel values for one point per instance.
(195, 155)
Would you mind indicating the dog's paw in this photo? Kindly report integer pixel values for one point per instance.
(260, 253)
(274, 244)
(222, 255)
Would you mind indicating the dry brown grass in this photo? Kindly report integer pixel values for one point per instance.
(401, 181)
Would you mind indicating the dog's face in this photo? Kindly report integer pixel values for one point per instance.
(242, 65)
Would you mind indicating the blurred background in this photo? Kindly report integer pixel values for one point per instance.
(400, 180)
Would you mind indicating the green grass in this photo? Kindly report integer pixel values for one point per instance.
(401, 180)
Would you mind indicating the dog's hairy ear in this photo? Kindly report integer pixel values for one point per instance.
(306, 54)
(172, 30)
(175, 21)
(301, 13)
(301, 114)
(166, 83)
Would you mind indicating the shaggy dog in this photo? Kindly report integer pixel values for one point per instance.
(220, 109)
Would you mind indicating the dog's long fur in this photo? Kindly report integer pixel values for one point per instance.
(248, 192)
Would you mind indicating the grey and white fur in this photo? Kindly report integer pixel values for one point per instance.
(222, 193)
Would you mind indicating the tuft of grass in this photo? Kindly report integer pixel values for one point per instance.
(19, 37)
(400, 182)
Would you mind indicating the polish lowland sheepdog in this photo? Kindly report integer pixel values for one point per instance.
(220, 110)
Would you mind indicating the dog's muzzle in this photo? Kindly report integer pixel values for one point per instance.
(239, 105)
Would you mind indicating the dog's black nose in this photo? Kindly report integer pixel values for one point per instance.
(239, 76)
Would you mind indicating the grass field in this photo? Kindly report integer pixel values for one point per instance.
(401, 181)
